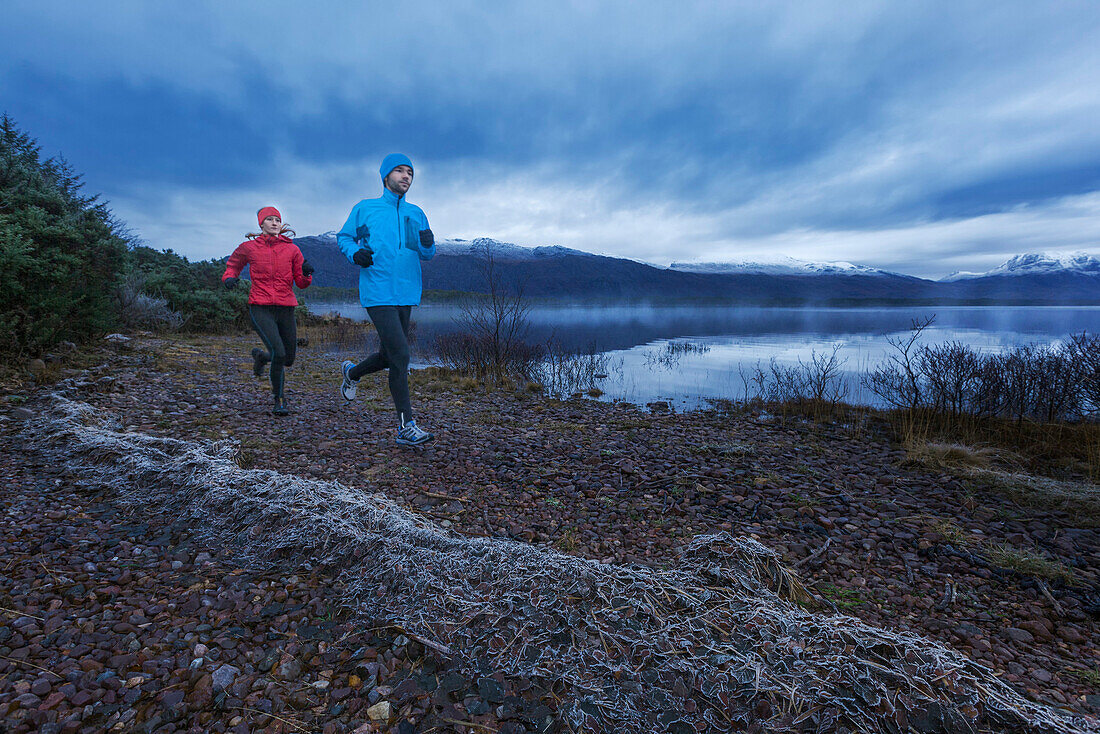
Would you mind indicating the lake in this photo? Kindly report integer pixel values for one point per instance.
(690, 355)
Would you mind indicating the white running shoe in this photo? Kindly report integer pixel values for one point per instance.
(348, 386)
(411, 434)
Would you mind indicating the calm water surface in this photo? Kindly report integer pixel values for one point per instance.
(732, 342)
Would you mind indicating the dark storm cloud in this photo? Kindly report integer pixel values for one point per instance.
(741, 124)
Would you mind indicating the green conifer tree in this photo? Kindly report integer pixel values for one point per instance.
(61, 252)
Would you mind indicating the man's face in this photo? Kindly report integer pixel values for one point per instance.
(399, 180)
(271, 225)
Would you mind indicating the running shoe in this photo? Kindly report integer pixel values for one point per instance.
(281, 407)
(259, 359)
(348, 386)
(411, 434)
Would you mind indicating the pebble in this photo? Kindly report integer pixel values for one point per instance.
(381, 711)
(224, 676)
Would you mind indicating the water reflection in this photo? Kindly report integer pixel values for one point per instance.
(646, 343)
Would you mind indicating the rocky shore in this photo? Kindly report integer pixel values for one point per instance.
(121, 621)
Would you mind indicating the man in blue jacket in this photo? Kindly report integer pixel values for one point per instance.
(387, 238)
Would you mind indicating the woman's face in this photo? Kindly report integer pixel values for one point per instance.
(271, 225)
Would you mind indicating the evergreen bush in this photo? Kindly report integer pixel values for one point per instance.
(193, 289)
(62, 254)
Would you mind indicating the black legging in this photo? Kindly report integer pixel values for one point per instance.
(275, 325)
(392, 325)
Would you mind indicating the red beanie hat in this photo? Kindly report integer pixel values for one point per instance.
(267, 211)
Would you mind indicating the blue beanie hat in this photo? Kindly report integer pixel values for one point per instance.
(392, 161)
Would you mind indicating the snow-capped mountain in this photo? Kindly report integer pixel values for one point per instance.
(479, 246)
(782, 265)
(502, 250)
(1036, 263)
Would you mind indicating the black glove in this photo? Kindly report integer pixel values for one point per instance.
(427, 239)
(362, 234)
(363, 258)
(231, 283)
(307, 269)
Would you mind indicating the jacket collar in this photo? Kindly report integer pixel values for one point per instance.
(272, 240)
(391, 198)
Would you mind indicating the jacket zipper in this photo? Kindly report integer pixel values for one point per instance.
(400, 244)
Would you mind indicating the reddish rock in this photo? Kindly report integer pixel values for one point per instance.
(52, 701)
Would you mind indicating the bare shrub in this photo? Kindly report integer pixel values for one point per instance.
(891, 386)
(1040, 383)
(989, 394)
(1085, 352)
(817, 384)
(897, 382)
(954, 378)
(1014, 369)
(1057, 379)
(478, 355)
(822, 377)
(776, 384)
(492, 343)
(137, 310)
(563, 372)
(459, 352)
(495, 325)
(1037, 401)
(1030, 382)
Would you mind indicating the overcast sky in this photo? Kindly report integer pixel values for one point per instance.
(921, 137)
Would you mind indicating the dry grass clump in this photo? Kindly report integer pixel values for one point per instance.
(1002, 467)
(1060, 450)
(1079, 499)
(1024, 561)
(947, 455)
(952, 532)
(334, 331)
(568, 541)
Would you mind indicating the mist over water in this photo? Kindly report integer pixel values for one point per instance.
(729, 343)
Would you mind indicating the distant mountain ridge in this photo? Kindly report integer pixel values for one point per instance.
(1036, 263)
(563, 273)
(504, 250)
(784, 266)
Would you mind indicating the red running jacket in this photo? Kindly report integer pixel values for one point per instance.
(275, 264)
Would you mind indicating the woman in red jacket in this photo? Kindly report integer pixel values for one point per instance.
(275, 265)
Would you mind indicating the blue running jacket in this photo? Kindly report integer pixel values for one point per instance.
(390, 228)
